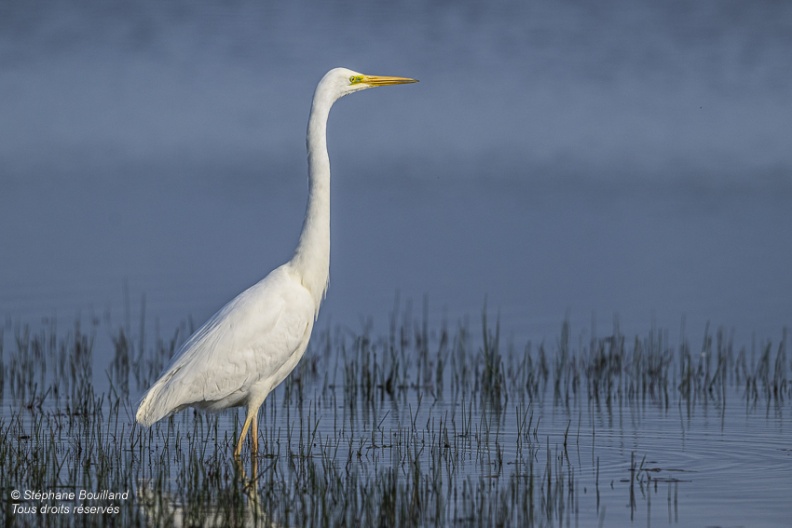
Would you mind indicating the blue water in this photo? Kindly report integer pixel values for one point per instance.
(558, 160)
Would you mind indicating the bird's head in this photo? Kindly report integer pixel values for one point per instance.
(341, 81)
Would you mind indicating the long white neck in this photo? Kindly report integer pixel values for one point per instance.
(312, 257)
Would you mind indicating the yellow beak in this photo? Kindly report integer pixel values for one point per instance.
(382, 80)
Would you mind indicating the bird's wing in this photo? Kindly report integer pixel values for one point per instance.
(251, 339)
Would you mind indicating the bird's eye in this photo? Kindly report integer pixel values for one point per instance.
(355, 79)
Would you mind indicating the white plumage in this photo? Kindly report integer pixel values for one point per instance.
(249, 347)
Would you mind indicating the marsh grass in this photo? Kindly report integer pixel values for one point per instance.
(419, 427)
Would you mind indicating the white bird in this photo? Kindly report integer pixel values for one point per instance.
(249, 347)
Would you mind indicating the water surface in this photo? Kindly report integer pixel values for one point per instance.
(624, 161)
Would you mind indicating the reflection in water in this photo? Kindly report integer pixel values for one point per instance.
(422, 426)
(238, 505)
(636, 165)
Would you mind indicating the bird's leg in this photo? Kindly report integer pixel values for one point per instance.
(254, 432)
(248, 420)
(254, 442)
(254, 470)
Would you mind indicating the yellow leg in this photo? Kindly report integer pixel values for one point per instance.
(255, 434)
(251, 416)
(254, 455)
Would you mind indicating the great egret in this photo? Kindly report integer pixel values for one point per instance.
(249, 347)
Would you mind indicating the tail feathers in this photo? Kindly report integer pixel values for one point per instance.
(155, 406)
(161, 400)
(145, 414)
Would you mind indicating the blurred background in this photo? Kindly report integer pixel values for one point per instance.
(559, 160)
